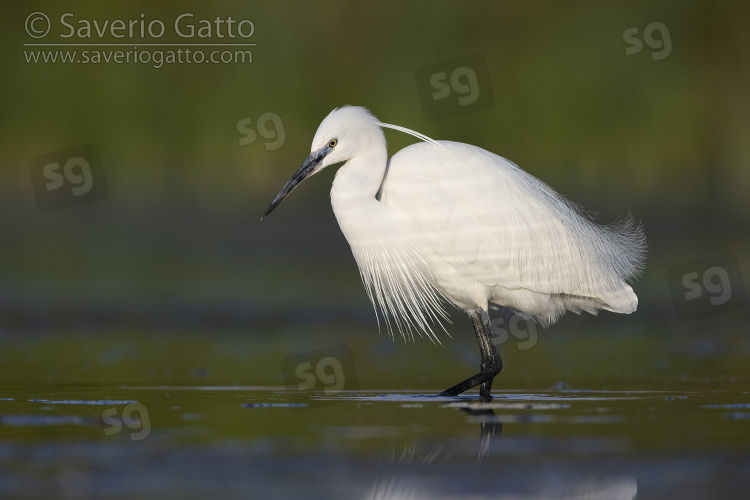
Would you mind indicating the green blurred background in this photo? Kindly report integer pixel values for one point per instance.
(176, 244)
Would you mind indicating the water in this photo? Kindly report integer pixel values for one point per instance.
(208, 415)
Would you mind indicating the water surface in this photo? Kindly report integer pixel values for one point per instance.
(209, 414)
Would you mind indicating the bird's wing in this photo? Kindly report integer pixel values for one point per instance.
(493, 222)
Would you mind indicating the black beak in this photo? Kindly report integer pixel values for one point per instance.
(307, 169)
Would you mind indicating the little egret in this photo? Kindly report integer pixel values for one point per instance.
(446, 221)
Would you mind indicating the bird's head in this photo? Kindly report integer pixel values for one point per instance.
(341, 134)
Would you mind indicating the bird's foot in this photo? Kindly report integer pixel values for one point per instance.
(481, 379)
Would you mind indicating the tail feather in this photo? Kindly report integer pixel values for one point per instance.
(622, 301)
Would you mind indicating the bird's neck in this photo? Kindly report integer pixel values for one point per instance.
(354, 191)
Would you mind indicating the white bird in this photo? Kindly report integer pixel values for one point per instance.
(446, 221)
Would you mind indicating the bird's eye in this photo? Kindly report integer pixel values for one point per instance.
(332, 143)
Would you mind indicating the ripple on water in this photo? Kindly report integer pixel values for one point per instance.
(25, 420)
(95, 402)
(510, 399)
(273, 405)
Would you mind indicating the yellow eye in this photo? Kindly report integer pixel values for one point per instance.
(332, 143)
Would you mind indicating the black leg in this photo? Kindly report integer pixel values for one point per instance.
(491, 362)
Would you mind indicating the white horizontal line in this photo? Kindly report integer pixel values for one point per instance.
(139, 45)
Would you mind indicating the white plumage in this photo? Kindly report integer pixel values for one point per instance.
(449, 221)
(493, 233)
